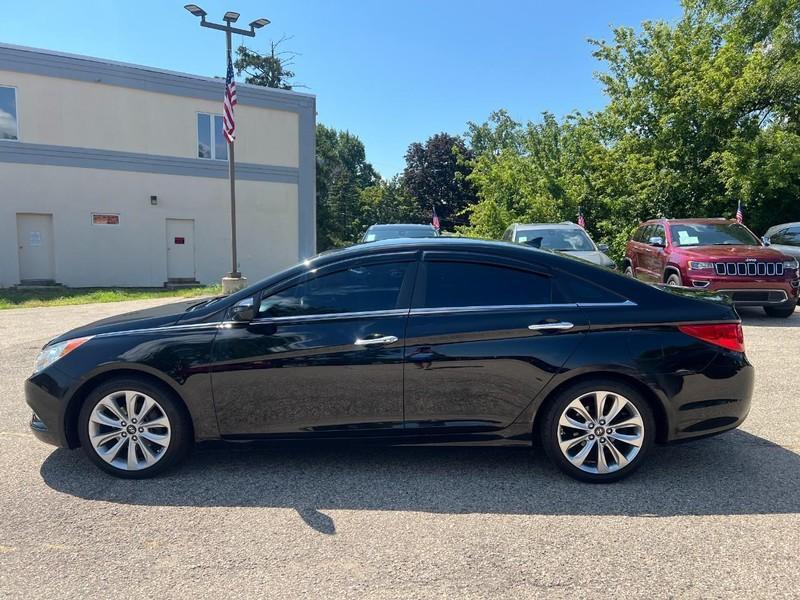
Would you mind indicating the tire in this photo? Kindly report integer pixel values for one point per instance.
(104, 428)
(780, 312)
(674, 280)
(589, 467)
(629, 271)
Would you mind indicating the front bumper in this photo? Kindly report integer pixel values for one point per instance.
(746, 291)
(46, 397)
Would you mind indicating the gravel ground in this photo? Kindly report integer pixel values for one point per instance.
(714, 518)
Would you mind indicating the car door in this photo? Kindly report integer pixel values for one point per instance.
(323, 353)
(483, 338)
(653, 256)
(639, 247)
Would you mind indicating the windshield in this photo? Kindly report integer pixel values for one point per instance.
(565, 240)
(712, 234)
(391, 233)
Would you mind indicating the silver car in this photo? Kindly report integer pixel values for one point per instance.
(566, 237)
(784, 238)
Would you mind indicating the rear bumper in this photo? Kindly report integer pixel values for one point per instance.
(713, 401)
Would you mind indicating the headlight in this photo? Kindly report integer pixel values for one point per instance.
(790, 265)
(695, 265)
(52, 353)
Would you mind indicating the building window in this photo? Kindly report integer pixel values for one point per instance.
(105, 219)
(210, 141)
(9, 127)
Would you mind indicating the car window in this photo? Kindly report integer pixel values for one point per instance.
(570, 289)
(557, 239)
(712, 234)
(357, 289)
(391, 233)
(477, 284)
(658, 231)
(787, 237)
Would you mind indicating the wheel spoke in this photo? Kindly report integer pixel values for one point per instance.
(581, 456)
(619, 457)
(602, 465)
(156, 438)
(161, 421)
(616, 406)
(579, 408)
(103, 419)
(635, 421)
(110, 454)
(149, 457)
(101, 439)
(569, 443)
(130, 404)
(147, 404)
(599, 401)
(111, 404)
(133, 463)
(633, 440)
(567, 421)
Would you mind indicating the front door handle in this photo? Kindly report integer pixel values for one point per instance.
(558, 326)
(377, 341)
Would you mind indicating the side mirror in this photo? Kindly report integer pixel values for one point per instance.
(243, 311)
(603, 248)
(657, 240)
(765, 239)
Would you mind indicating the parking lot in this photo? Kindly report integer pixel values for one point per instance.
(717, 517)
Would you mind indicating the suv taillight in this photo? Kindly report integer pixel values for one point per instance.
(726, 335)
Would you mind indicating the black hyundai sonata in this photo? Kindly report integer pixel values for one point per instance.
(434, 341)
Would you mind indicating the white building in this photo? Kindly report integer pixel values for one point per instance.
(116, 175)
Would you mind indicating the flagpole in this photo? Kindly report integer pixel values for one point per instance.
(234, 274)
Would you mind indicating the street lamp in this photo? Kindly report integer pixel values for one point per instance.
(234, 277)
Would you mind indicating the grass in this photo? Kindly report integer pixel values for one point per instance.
(60, 296)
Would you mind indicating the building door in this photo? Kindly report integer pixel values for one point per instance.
(180, 250)
(35, 243)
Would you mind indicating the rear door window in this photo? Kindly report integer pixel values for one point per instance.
(457, 284)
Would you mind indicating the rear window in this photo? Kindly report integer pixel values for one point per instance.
(457, 284)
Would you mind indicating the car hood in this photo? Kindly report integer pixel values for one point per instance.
(158, 316)
(593, 256)
(731, 252)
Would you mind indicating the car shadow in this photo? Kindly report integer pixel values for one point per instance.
(756, 317)
(736, 473)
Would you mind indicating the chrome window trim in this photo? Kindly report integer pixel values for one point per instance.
(515, 307)
(398, 312)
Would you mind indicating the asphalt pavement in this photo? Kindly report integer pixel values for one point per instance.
(714, 518)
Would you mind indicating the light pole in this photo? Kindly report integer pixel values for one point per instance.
(234, 279)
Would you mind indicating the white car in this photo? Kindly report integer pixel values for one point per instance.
(567, 238)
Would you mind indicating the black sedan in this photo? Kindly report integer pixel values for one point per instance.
(435, 341)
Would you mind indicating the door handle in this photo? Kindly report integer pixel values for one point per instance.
(378, 341)
(559, 326)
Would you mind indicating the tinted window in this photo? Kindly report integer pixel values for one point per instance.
(357, 289)
(574, 290)
(391, 233)
(788, 237)
(712, 234)
(474, 284)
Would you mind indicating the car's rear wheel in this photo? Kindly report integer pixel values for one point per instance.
(598, 431)
(133, 429)
(780, 312)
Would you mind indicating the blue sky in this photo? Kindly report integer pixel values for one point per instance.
(392, 72)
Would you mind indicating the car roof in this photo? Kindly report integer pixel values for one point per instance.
(781, 225)
(698, 221)
(401, 225)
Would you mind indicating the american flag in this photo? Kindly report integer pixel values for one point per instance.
(228, 123)
(581, 220)
(435, 219)
(739, 213)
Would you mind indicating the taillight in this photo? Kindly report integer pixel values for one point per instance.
(727, 335)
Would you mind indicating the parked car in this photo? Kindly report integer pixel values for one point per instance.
(784, 238)
(377, 232)
(715, 255)
(565, 237)
(430, 341)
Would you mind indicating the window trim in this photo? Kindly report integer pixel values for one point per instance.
(16, 109)
(212, 133)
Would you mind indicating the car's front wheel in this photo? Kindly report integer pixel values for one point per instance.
(598, 431)
(133, 429)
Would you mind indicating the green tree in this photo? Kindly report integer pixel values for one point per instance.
(342, 175)
(436, 174)
(387, 202)
(272, 69)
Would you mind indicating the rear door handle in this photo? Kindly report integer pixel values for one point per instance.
(559, 326)
(378, 341)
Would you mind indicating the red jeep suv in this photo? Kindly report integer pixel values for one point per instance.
(714, 255)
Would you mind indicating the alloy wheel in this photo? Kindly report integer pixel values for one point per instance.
(600, 432)
(129, 430)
